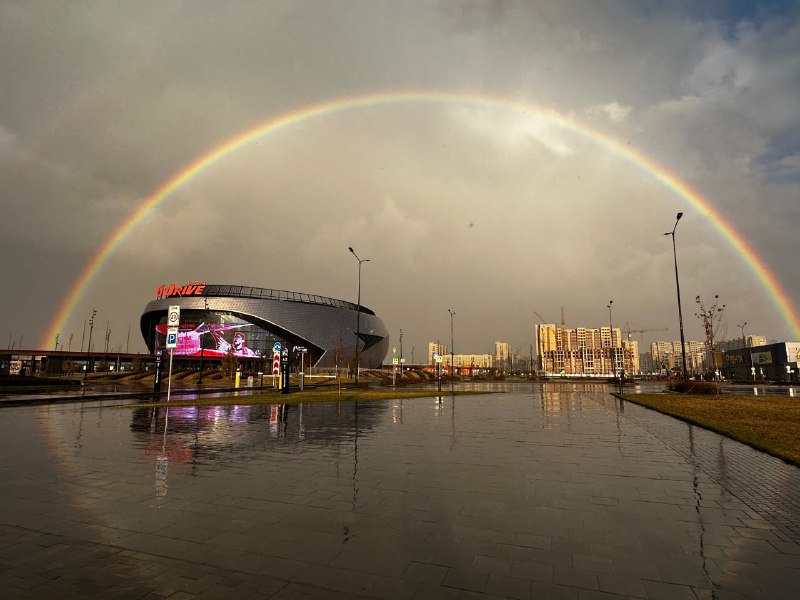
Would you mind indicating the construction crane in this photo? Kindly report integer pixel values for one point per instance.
(641, 332)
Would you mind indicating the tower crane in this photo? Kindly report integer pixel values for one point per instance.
(641, 332)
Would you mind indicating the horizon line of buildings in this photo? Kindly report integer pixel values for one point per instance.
(590, 351)
(501, 359)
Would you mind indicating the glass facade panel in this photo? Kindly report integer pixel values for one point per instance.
(217, 333)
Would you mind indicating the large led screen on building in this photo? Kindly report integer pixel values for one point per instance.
(217, 335)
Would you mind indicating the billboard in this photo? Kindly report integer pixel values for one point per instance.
(762, 358)
(793, 352)
(216, 337)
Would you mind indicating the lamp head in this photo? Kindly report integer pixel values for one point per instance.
(678, 218)
(351, 249)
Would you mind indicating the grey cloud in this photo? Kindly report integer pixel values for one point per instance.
(463, 207)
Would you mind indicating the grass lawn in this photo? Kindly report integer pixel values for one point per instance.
(769, 423)
(317, 395)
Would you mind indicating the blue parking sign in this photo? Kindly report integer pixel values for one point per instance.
(172, 337)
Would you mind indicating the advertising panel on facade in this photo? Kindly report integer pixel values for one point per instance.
(220, 335)
(762, 358)
(734, 360)
(793, 352)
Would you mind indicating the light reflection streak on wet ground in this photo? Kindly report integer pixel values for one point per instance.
(542, 490)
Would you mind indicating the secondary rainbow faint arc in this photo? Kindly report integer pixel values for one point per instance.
(273, 124)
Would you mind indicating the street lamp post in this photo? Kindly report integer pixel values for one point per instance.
(205, 324)
(744, 339)
(358, 314)
(438, 367)
(402, 360)
(89, 347)
(749, 353)
(678, 287)
(452, 350)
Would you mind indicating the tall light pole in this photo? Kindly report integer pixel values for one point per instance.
(358, 314)
(452, 365)
(89, 347)
(402, 360)
(744, 340)
(678, 287)
(744, 345)
(205, 324)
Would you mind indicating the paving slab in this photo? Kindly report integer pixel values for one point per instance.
(543, 491)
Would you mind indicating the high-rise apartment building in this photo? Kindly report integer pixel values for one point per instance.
(468, 362)
(631, 348)
(667, 356)
(436, 348)
(584, 351)
(750, 341)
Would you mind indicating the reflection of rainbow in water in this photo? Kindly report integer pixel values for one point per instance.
(756, 265)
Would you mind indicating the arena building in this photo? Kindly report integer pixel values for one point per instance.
(248, 321)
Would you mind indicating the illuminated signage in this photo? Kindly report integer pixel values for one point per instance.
(190, 288)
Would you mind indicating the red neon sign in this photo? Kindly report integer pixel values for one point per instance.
(190, 288)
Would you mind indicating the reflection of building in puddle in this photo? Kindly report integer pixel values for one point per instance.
(558, 397)
(209, 434)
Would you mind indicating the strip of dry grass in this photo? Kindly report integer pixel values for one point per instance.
(768, 423)
(296, 397)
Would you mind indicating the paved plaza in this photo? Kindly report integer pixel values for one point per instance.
(543, 491)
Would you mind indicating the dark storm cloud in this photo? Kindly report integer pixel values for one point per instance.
(458, 206)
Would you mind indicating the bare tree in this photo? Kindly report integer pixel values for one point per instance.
(711, 318)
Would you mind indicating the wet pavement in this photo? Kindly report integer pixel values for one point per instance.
(102, 392)
(545, 491)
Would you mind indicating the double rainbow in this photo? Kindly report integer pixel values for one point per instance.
(701, 205)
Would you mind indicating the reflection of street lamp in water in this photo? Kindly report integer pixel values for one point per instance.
(162, 462)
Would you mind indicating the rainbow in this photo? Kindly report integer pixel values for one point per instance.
(759, 268)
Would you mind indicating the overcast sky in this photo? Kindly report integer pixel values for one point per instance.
(495, 213)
